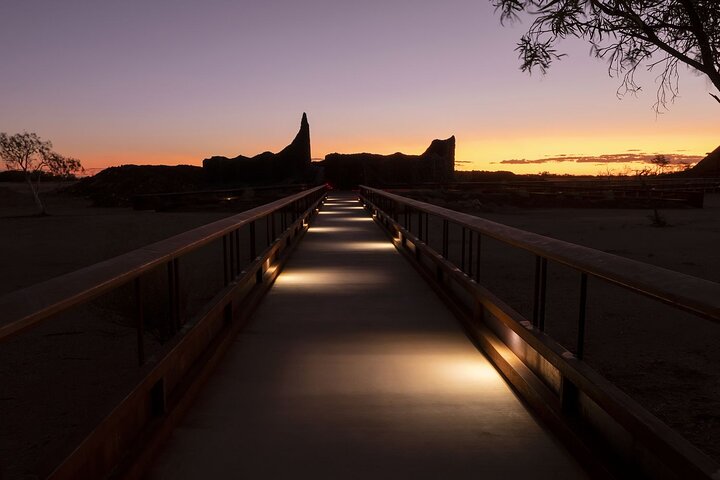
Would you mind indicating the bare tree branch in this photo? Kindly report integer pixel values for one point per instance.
(660, 34)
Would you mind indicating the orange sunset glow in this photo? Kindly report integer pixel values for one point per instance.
(376, 239)
(194, 83)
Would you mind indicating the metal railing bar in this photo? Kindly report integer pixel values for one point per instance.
(536, 293)
(580, 350)
(238, 258)
(462, 250)
(542, 294)
(470, 254)
(477, 257)
(24, 308)
(446, 233)
(140, 313)
(226, 274)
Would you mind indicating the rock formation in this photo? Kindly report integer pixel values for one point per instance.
(709, 166)
(291, 164)
(436, 164)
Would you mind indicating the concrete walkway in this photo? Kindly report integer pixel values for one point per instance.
(353, 368)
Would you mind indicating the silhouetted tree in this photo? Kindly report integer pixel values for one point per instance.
(661, 162)
(627, 33)
(29, 154)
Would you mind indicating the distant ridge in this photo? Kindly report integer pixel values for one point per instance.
(708, 166)
(115, 186)
(435, 164)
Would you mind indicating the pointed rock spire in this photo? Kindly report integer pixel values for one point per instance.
(290, 164)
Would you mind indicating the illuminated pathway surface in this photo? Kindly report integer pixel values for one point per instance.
(353, 368)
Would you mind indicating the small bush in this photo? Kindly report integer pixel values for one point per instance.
(657, 219)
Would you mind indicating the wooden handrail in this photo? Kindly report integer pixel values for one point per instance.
(562, 389)
(686, 292)
(27, 307)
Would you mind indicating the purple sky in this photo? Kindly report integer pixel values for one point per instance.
(178, 81)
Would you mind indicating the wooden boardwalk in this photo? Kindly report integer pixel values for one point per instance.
(353, 368)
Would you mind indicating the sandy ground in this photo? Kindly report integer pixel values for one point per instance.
(75, 234)
(62, 378)
(689, 244)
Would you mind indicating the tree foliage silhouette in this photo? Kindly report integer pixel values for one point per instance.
(660, 34)
(31, 155)
(661, 162)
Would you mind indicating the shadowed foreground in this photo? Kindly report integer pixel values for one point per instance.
(352, 367)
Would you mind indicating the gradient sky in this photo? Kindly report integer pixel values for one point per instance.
(173, 81)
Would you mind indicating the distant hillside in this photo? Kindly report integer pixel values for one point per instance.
(115, 186)
(436, 164)
(709, 166)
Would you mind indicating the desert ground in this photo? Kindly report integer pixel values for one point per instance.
(61, 378)
(75, 234)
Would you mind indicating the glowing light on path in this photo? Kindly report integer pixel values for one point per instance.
(332, 229)
(370, 246)
(352, 246)
(322, 278)
(355, 219)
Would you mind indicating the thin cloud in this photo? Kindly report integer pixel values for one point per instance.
(673, 158)
(522, 161)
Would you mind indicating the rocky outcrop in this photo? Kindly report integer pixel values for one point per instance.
(291, 164)
(436, 164)
(709, 166)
